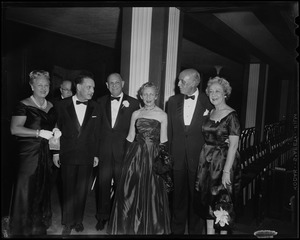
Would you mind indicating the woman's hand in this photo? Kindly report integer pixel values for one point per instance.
(226, 178)
(45, 134)
(56, 132)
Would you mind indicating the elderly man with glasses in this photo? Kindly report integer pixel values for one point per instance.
(66, 89)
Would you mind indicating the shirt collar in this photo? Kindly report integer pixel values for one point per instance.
(75, 98)
(196, 93)
(120, 95)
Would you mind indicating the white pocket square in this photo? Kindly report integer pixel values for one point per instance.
(206, 112)
(94, 116)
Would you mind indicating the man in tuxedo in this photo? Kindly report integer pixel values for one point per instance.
(78, 119)
(186, 112)
(117, 108)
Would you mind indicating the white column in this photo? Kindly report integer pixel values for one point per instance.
(252, 94)
(172, 50)
(140, 48)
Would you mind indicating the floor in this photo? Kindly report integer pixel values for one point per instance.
(89, 221)
(244, 228)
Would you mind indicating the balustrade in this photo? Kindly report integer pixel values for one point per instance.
(258, 161)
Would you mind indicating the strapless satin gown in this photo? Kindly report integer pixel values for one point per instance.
(141, 201)
(31, 213)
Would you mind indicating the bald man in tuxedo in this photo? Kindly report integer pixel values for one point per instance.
(117, 108)
(186, 112)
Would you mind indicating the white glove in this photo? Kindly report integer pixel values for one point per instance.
(56, 133)
(45, 134)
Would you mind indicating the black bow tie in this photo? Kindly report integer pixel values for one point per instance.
(114, 98)
(191, 97)
(78, 102)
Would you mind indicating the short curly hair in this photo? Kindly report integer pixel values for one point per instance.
(35, 74)
(223, 82)
(148, 85)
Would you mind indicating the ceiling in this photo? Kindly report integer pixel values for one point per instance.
(228, 33)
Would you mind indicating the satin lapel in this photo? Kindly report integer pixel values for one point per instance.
(180, 110)
(120, 111)
(87, 116)
(73, 116)
(108, 110)
(197, 112)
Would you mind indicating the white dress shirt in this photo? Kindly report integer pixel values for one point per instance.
(115, 106)
(189, 108)
(80, 109)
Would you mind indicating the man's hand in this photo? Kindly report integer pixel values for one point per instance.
(96, 161)
(56, 160)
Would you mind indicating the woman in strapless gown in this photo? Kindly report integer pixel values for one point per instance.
(141, 200)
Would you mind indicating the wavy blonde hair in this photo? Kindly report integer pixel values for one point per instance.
(35, 74)
(223, 82)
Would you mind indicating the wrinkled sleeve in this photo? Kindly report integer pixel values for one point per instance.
(234, 125)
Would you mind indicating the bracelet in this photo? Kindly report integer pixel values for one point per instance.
(226, 171)
(37, 133)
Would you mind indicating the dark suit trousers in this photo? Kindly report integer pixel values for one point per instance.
(183, 203)
(108, 170)
(75, 179)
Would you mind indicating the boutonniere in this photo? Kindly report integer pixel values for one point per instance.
(125, 104)
(206, 112)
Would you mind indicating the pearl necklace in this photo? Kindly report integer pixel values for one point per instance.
(149, 109)
(36, 103)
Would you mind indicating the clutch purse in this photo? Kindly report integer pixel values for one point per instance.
(54, 143)
(163, 165)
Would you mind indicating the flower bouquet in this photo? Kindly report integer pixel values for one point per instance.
(222, 209)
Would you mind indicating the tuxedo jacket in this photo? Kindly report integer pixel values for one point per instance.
(78, 144)
(186, 144)
(112, 139)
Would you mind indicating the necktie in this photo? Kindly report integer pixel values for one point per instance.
(114, 98)
(79, 102)
(191, 97)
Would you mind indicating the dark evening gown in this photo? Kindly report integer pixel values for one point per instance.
(31, 213)
(141, 201)
(213, 157)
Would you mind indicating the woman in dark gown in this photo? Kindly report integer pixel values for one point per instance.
(32, 124)
(219, 162)
(141, 201)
